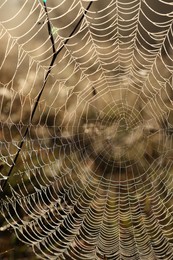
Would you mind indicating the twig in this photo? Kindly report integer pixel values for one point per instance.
(49, 27)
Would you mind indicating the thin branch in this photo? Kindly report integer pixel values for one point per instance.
(49, 27)
(55, 54)
(94, 92)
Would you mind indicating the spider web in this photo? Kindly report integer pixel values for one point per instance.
(86, 127)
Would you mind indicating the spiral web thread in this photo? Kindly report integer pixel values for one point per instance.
(93, 177)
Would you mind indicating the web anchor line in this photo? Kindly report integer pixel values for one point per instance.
(55, 54)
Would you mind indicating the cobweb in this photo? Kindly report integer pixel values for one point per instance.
(86, 127)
